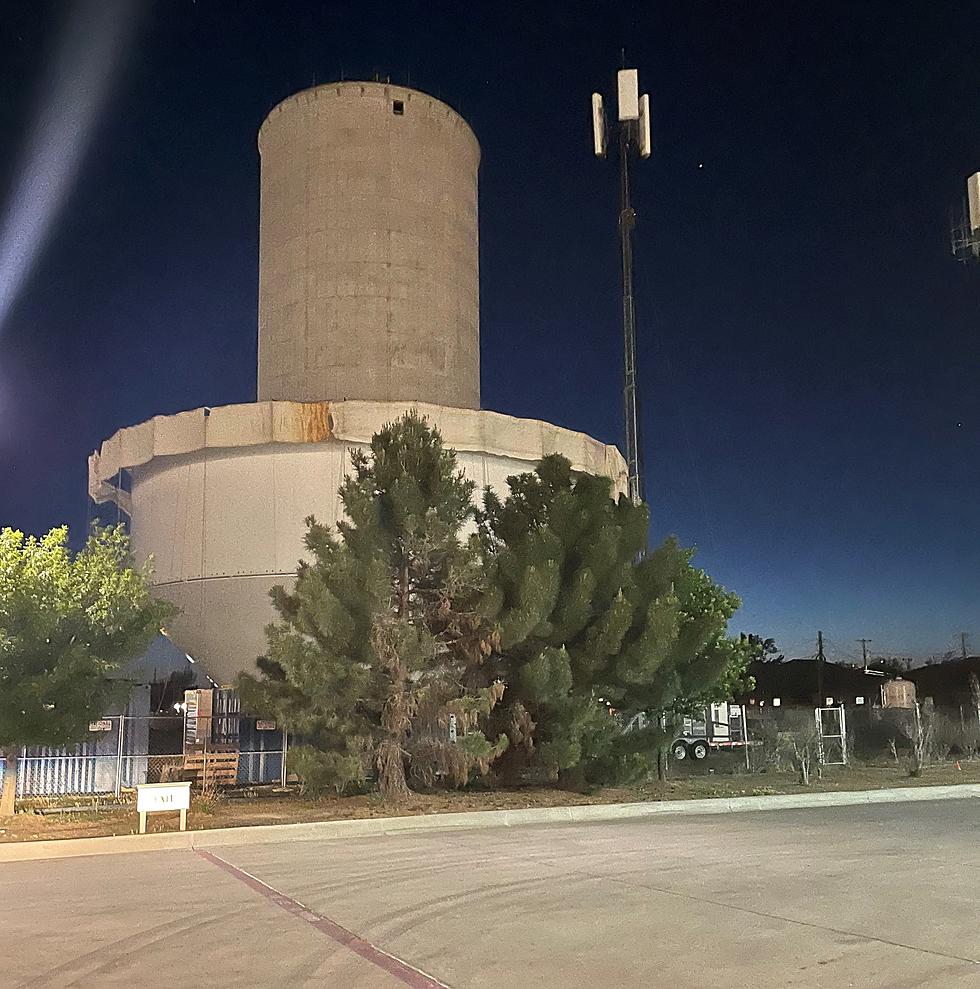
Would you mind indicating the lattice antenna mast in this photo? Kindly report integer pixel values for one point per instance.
(633, 119)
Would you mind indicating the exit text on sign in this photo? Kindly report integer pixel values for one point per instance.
(152, 797)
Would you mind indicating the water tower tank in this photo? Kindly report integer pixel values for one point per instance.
(368, 302)
(368, 256)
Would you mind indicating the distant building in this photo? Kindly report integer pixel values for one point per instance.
(796, 683)
(948, 684)
(800, 683)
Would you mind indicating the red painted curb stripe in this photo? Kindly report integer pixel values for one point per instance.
(370, 952)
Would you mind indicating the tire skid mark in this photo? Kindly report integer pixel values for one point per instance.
(396, 967)
(400, 922)
(82, 966)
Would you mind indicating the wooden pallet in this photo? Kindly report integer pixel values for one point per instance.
(216, 767)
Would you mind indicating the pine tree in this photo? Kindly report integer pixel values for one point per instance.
(590, 634)
(380, 645)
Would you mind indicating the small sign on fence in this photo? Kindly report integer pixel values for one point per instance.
(265, 726)
(105, 724)
(156, 798)
(198, 707)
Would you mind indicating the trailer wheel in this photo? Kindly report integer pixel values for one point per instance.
(699, 750)
(679, 750)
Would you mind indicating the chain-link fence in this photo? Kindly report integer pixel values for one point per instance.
(225, 749)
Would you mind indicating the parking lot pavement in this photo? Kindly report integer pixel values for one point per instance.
(873, 896)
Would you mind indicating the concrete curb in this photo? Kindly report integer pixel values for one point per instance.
(74, 847)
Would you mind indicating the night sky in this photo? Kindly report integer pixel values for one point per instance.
(808, 349)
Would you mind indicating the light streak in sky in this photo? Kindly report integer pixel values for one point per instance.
(76, 87)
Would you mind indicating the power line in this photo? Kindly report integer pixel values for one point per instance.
(838, 652)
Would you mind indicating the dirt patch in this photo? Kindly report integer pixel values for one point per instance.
(272, 808)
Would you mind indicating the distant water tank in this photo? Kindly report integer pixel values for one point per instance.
(368, 249)
(898, 693)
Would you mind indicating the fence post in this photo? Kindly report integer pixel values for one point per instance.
(119, 755)
(285, 748)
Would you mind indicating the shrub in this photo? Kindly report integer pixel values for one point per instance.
(766, 751)
(954, 738)
(799, 739)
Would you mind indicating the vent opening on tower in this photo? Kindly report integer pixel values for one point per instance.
(398, 107)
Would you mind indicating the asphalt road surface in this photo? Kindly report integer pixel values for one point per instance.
(874, 896)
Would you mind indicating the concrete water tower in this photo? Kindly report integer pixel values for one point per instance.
(368, 306)
(368, 256)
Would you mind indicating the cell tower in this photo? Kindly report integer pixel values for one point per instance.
(633, 139)
(965, 225)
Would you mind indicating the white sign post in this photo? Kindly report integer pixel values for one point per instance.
(155, 798)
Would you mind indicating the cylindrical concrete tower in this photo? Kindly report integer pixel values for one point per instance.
(368, 256)
(367, 308)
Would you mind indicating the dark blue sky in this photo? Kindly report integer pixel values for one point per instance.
(808, 349)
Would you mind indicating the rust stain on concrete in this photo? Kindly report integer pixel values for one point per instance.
(316, 423)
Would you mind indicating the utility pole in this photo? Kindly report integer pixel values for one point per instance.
(634, 139)
(864, 651)
(963, 644)
(821, 659)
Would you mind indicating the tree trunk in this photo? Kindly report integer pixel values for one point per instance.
(573, 780)
(662, 754)
(403, 588)
(391, 772)
(509, 768)
(9, 793)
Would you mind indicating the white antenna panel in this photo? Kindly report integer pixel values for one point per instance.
(973, 196)
(629, 94)
(598, 126)
(646, 145)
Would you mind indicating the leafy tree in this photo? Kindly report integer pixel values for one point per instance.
(766, 650)
(68, 623)
(735, 656)
(723, 671)
(592, 636)
(379, 646)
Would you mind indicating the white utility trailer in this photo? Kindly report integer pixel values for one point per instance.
(721, 726)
